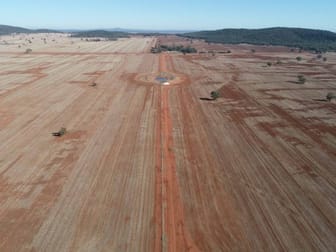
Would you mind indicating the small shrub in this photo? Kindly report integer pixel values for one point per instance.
(324, 59)
(331, 96)
(59, 133)
(28, 50)
(269, 64)
(301, 79)
(298, 58)
(253, 50)
(62, 131)
(214, 95)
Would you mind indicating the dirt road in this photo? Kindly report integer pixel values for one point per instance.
(175, 235)
(147, 167)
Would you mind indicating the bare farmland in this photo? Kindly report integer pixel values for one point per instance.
(148, 167)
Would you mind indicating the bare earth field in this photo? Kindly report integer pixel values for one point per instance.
(151, 167)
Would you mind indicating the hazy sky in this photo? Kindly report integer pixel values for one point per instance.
(171, 14)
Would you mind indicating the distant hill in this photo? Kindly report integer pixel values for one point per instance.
(100, 34)
(45, 31)
(308, 39)
(6, 29)
(132, 31)
(105, 33)
(148, 31)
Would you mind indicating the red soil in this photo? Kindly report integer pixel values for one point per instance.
(175, 236)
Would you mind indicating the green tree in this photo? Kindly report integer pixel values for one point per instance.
(214, 95)
(301, 79)
(59, 133)
(331, 96)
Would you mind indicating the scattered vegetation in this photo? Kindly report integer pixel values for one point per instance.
(214, 95)
(307, 39)
(331, 96)
(179, 48)
(100, 34)
(301, 79)
(28, 50)
(98, 39)
(224, 52)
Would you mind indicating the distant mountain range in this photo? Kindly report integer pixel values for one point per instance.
(6, 29)
(100, 34)
(149, 31)
(309, 39)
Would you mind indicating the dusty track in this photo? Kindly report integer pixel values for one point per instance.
(175, 236)
(146, 167)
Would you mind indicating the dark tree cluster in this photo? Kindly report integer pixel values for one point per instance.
(307, 39)
(174, 48)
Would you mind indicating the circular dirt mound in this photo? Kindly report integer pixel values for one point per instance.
(161, 78)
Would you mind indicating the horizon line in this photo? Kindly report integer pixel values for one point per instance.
(162, 30)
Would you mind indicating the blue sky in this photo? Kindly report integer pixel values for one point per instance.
(172, 14)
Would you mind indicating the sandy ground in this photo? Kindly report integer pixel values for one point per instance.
(147, 167)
